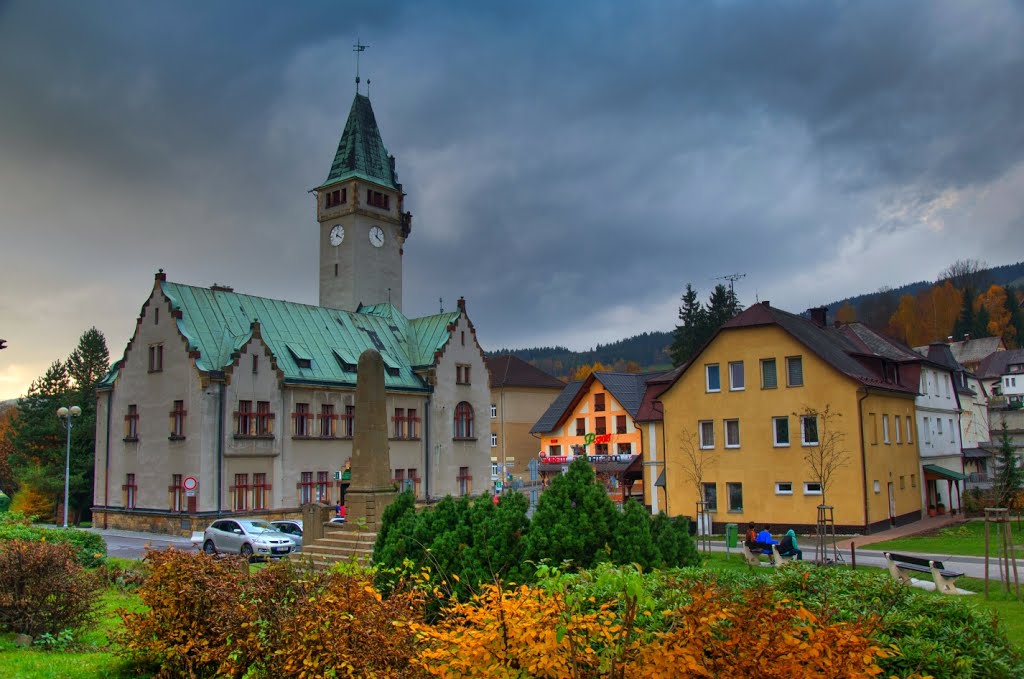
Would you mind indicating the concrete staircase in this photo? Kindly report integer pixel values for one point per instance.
(340, 543)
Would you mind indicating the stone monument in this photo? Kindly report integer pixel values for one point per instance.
(371, 489)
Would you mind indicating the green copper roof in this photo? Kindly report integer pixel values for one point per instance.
(361, 151)
(310, 343)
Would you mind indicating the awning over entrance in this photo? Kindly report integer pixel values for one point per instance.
(976, 453)
(943, 473)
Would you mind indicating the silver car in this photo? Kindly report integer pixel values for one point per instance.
(292, 528)
(248, 537)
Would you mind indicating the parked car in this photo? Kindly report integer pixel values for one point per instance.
(248, 537)
(292, 528)
(338, 519)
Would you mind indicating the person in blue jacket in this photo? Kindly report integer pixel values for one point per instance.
(789, 547)
(765, 538)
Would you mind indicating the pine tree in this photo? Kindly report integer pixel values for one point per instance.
(574, 521)
(1009, 476)
(981, 320)
(633, 541)
(86, 366)
(965, 322)
(685, 337)
(1016, 317)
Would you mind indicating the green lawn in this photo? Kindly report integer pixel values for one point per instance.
(95, 662)
(967, 539)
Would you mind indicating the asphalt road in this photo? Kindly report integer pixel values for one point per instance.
(128, 545)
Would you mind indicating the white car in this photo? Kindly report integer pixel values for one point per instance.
(292, 528)
(248, 537)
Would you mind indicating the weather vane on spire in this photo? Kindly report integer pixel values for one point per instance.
(357, 48)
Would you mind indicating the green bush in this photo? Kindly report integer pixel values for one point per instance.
(43, 590)
(90, 548)
(5, 502)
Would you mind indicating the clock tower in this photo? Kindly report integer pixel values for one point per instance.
(363, 227)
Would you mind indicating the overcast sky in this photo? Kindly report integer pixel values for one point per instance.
(570, 165)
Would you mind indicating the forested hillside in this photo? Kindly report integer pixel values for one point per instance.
(966, 297)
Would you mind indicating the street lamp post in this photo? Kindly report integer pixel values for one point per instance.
(66, 414)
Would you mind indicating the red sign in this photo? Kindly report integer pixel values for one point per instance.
(603, 438)
(554, 440)
(555, 459)
(190, 483)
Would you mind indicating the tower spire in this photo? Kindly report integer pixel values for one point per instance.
(358, 48)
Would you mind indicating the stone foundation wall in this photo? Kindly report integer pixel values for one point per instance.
(172, 523)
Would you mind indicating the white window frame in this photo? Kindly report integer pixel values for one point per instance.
(896, 427)
(927, 431)
(938, 426)
(952, 432)
(885, 429)
(494, 440)
(803, 431)
(706, 445)
(707, 377)
(728, 495)
(743, 377)
(779, 490)
(910, 429)
(494, 411)
(775, 432)
(725, 427)
(809, 491)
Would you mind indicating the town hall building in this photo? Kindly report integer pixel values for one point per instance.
(229, 404)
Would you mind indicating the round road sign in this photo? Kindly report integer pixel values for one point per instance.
(190, 483)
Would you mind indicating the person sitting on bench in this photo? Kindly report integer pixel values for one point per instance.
(751, 539)
(765, 540)
(789, 548)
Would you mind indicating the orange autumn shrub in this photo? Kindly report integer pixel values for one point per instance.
(529, 632)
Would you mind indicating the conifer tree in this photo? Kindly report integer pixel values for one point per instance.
(686, 337)
(965, 322)
(1009, 476)
(981, 322)
(574, 520)
(633, 541)
(39, 435)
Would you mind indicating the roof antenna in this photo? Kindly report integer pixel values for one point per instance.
(357, 48)
(441, 302)
(368, 94)
(367, 88)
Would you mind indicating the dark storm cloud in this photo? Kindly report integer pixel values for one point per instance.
(570, 165)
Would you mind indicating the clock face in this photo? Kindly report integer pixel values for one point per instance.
(377, 236)
(337, 235)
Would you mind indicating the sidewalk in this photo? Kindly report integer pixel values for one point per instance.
(924, 525)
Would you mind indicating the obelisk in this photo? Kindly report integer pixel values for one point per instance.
(371, 489)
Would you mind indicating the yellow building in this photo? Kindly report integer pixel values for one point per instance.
(769, 393)
(598, 417)
(520, 394)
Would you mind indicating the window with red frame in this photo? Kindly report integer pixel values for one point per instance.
(412, 423)
(599, 426)
(177, 492)
(323, 488)
(415, 479)
(178, 421)
(245, 419)
(260, 488)
(264, 419)
(465, 481)
(399, 421)
(600, 449)
(400, 479)
(598, 402)
(303, 419)
(462, 374)
(305, 488)
(241, 492)
(156, 358)
(131, 424)
(625, 449)
(349, 421)
(463, 421)
(335, 197)
(581, 426)
(620, 424)
(327, 419)
(130, 491)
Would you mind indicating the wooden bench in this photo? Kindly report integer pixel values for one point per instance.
(901, 565)
(778, 559)
(750, 557)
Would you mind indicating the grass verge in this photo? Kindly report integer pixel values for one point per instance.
(965, 539)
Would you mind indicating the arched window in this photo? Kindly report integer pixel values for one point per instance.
(463, 421)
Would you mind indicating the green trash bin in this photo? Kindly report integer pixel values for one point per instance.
(732, 532)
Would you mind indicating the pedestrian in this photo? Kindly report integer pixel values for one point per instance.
(789, 546)
(765, 539)
(751, 538)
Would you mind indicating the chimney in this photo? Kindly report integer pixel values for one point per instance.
(819, 316)
(766, 304)
(462, 304)
(161, 276)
